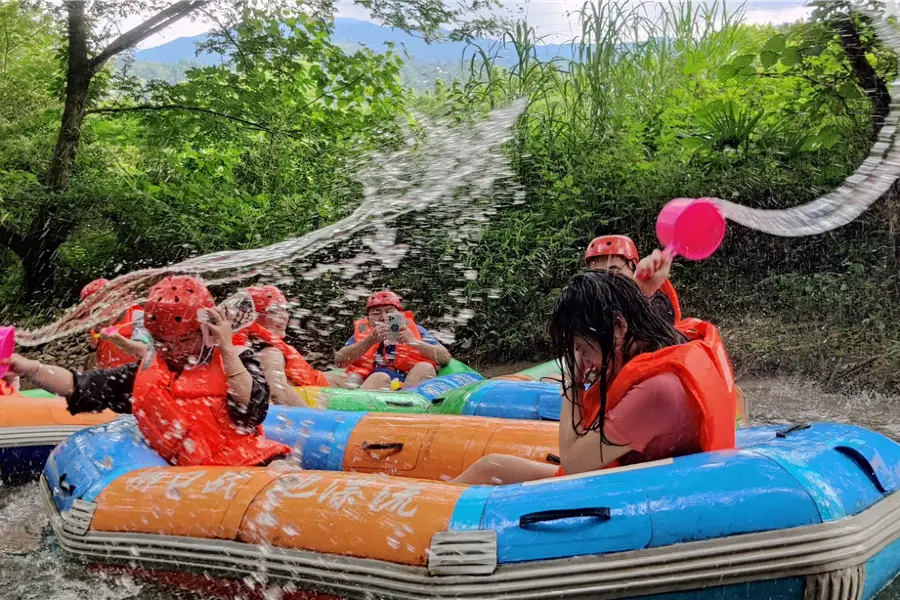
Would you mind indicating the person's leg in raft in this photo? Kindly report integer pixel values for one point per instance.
(353, 380)
(420, 372)
(377, 381)
(502, 469)
(336, 381)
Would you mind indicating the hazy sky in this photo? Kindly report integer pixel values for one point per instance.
(549, 17)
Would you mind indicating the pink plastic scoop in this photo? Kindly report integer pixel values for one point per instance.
(7, 346)
(692, 228)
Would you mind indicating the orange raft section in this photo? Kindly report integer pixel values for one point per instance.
(355, 514)
(26, 411)
(390, 511)
(440, 447)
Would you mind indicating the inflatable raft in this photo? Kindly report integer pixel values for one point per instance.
(532, 394)
(31, 425)
(806, 512)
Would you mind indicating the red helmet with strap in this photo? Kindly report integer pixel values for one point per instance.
(92, 288)
(265, 297)
(384, 298)
(172, 307)
(612, 245)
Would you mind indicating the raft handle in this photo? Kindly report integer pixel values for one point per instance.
(553, 459)
(594, 512)
(797, 427)
(870, 462)
(398, 446)
(64, 486)
(406, 403)
(437, 401)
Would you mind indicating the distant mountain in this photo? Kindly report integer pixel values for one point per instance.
(178, 50)
(349, 32)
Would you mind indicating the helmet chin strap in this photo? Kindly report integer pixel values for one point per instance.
(204, 357)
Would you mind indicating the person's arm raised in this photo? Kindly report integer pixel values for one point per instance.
(349, 354)
(653, 270)
(240, 383)
(132, 347)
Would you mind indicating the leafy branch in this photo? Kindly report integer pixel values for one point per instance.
(183, 107)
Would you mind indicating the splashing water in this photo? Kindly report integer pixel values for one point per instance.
(871, 181)
(443, 169)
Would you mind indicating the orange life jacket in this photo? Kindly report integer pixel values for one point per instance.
(6, 389)
(703, 368)
(406, 356)
(669, 290)
(185, 417)
(296, 369)
(109, 355)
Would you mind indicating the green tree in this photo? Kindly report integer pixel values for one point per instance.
(256, 149)
(89, 47)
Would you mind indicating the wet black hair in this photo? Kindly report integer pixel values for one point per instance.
(588, 308)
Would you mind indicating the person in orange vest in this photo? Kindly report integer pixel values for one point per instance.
(654, 391)
(120, 342)
(618, 254)
(283, 365)
(196, 403)
(374, 364)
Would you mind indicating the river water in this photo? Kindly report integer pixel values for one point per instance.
(32, 566)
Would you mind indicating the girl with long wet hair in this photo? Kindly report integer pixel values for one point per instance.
(601, 322)
(652, 393)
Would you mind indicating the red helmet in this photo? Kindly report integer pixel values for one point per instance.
(612, 245)
(264, 296)
(384, 298)
(172, 305)
(92, 288)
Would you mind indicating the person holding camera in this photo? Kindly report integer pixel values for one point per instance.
(388, 347)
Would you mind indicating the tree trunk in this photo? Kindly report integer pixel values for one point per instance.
(39, 268)
(78, 85)
(38, 247)
(874, 86)
(46, 234)
(37, 250)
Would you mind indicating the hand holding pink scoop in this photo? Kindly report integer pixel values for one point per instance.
(107, 332)
(7, 346)
(692, 228)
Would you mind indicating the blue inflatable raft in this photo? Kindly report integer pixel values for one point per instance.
(808, 512)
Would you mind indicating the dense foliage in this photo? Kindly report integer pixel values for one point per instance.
(704, 106)
(685, 101)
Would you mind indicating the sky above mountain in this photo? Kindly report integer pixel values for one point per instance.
(348, 32)
(556, 19)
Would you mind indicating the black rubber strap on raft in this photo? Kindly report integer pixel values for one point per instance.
(398, 446)
(399, 402)
(65, 486)
(553, 459)
(786, 432)
(594, 512)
